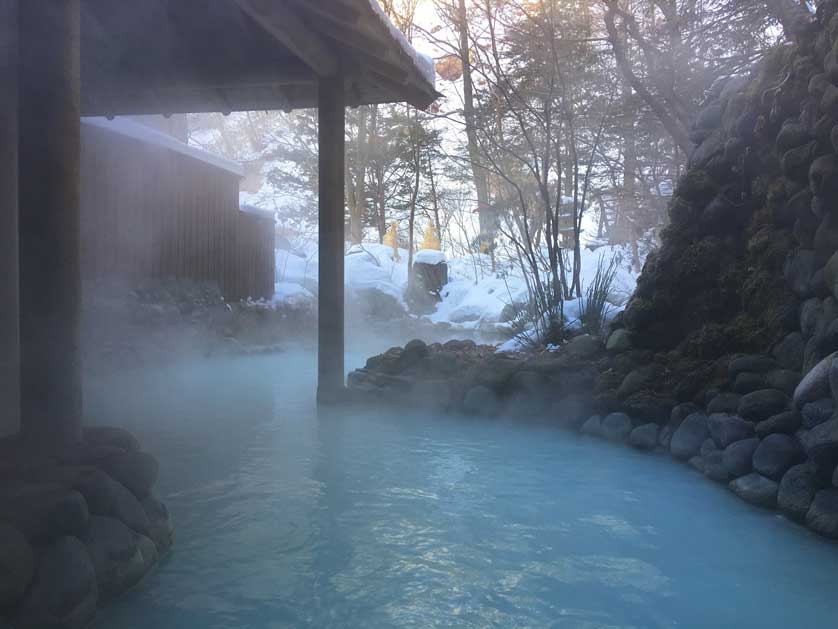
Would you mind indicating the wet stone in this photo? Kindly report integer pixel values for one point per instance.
(797, 490)
(787, 422)
(687, 439)
(776, 454)
(738, 457)
(816, 413)
(726, 429)
(616, 427)
(644, 437)
(822, 516)
(724, 403)
(762, 404)
(592, 426)
(756, 489)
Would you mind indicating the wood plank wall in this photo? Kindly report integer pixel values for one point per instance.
(150, 212)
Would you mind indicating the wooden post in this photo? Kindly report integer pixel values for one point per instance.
(9, 342)
(330, 102)
(50, 283)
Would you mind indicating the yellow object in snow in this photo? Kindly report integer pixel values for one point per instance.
(431, 240)
(391, 239)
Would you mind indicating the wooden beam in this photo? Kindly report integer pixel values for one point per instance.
(278, 19)
(331, 145)
(49, 221)
(9, 329)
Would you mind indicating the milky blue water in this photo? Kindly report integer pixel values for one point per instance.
(379, 519)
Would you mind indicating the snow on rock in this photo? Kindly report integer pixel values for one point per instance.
(292, 295)
(429, 256)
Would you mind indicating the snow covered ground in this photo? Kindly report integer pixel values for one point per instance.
(475, 298)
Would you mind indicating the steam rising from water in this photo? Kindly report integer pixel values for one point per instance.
(387, 518)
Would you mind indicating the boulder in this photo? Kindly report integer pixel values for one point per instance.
(714, 467)
(592, 426)
(17, 565)
(644, 437)
(680, 412)
(111, 436)
(697, 463)
(582, 347)
(830, 272)
(647, 406)
(687, 439)
(786, 380)
(107, 497)
(117, 561)
(725, 429)
(43, 511)
(789, 351)
(821, 445)
(616, 427)
(753, 363)
(762, 404)
(798, 271)
(413, 353)
(161, 531)
(797, 490)
(637, 380)
(63, 594)
(481, 400)
(815, 384)
(738, 457)
(619, 341)
(822, 516)
(816, 413)
(707, 447)
(776, 454)
(787, 422)
(749, 381)
(756, 490)
(724, 403)
(572, 411)
(136, 470)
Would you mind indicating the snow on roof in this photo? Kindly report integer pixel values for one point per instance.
(423, 62)
(131, 129)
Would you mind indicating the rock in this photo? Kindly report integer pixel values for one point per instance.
(749, 381)
(619, 341)
(572, 411)
(161, 530)
(582, 347)
(724, 403)
(636, 381)
(798, 271)
(680, 412)
(707, 447)
(592, 426)
(63, 594)
(762, 404)
(17, 565)
(725, 429)
(136, 470)
(647, 406)
(789, 351)
(697, 463)
(644, 437)
(797, 490)
(616, 427)
(815, 384)
(117, 561)
(821, 445)
(43, 511)
(756, 490)
(787, 422)
(823, 514)
(413, 353)
(687, 439)
(714, 467)
(831, 274)
(776, 454)
(111, 436)
(785, 380)
(107, 497)
(750, 363)
(810, 312)
(481, 400)
(738, 457)
(835, 478)
(815, 413)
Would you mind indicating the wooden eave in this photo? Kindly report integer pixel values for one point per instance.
(181, 56)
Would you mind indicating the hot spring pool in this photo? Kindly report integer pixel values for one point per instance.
(381, 519)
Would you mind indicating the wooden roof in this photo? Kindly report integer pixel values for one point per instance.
(181, 56)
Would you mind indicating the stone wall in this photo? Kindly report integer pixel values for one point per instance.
(76, 528)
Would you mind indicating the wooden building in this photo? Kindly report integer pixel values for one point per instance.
(154, 207)
(61, 59)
